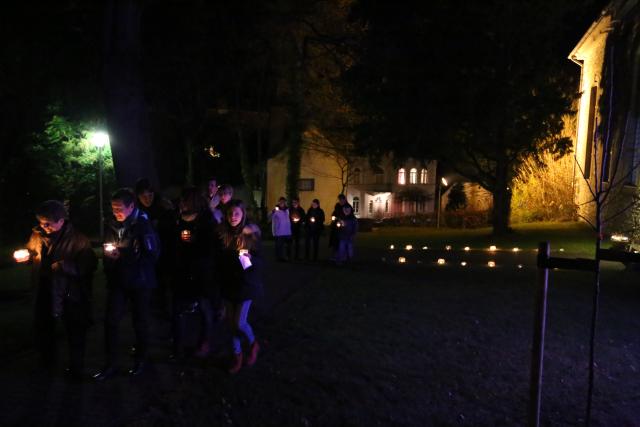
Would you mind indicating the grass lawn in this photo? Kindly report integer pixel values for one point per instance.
(378, 343)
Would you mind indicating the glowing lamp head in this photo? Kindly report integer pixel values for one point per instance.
(519, 265)
(444, 181)
(21, 255)
(277, 208)
(296, 219)
(424, 248)
(441, 261)
(99, 139)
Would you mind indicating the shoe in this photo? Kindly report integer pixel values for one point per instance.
(73, 376)
(253, 353)
(138, 369)
(107, 372)
(204, 350)
(236, 364)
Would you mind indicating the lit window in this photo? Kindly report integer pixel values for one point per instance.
(401, 177)
(355, 176)
(413, 176)
(423, 176)
(306, 184)
(356, 205)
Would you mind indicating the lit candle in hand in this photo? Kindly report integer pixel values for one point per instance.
(21, 255)
(185, 235)
(109, 247)
(312, 219)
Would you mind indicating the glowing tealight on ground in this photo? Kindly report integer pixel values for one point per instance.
(467, 248)
(491, 264)
(516, 249)
(519, 265)
(408, 247)
(392, 247)
(424, 248)
(448, 247)
(441, 261)
(463, 263)
(402, 260)
(492, 248)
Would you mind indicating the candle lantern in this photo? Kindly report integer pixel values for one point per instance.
(185, 235)
(402, 260)
(491, 264)
(109, 247)
(463, 263)
(409, 247)
(21, 255)
(492, 248)
(333, 217)
(448, 247)
(467, 248)
(296, 219)
(441, 261)
(312, 219)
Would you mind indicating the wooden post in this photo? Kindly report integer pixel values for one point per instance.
(539, 326)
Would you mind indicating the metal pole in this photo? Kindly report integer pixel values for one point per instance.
(100, 167)
(537, 352)
(439, 196)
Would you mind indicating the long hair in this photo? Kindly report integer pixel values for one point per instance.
(242, 236)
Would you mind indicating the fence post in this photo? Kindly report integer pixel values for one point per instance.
(537, 351)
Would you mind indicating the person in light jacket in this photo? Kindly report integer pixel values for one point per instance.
(281, 229)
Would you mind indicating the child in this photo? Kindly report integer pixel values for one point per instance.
(240, 266)
(346, 228)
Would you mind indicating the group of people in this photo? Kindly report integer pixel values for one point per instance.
(204, 249)
(287, 224)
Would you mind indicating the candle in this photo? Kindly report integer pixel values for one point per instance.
(492, 248)
(491, 264)
(185, 235)
(312, 219)
(467, 248)
(21, 255)
(448, 247)
(243, 252)
(402, 260)
(339, 224)
(392, 247)
(409, 247)
(333, 217)
(463, 263)
(296, 219)
(441, 261)
(109, 247)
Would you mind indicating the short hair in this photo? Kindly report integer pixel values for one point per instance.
(124, 195)
(142, 185)
(225, 189)
(295, 199)
(342, 196)
(282, 199)
(52, 209)
(192, 201)
(316, 201)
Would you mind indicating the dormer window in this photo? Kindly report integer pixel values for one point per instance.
(413, 176)
(402, 179)
(423, 176)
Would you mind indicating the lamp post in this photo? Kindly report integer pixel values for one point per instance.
(442, 182)
(99, 140)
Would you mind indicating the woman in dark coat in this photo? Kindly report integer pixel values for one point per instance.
(194, 290)
(314, 226)
(240, 265)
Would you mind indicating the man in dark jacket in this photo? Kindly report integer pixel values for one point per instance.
(130, 255)
(297, 217)
(63, 266)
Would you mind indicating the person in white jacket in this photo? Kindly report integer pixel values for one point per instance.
(281, 229)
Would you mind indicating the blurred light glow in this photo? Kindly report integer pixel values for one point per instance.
(441, 261)
(491, 264)
(99, 139)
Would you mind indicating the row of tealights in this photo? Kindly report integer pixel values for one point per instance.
(442, 261)
(491, 248)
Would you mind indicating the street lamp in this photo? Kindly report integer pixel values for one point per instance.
(99, 140)
(444, 182)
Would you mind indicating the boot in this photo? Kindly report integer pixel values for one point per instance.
(253, 353)
(236, 363)
(204, 349)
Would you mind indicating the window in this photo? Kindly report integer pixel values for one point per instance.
(588, 140)
(413, 176)
(370, 206)
(423, 176)
(401, 177)
(379, 177)
(356, 205)
(355, 176)
(386, 206)
(306, 184)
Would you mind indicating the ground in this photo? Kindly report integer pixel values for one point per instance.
(371, 343)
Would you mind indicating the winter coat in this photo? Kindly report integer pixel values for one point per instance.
(72, 252)
(299, 214)
(280, 223)
(236, 283)
(193, 270)
(348, 228)
(139, 247)
(317, 225)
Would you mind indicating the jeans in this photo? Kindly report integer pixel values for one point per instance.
(311, 239)
(345, 250)
(240, 328)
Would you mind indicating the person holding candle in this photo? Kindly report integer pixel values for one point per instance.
(193, 284)
(336, 216)
(241, 273)
(219, 203)
(297, 217)
(63, 266)
(281, 229)
(130, 270)
(347, 227)
(313, 227)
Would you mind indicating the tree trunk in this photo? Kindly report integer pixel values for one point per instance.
(295, 136)
(126, 108)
